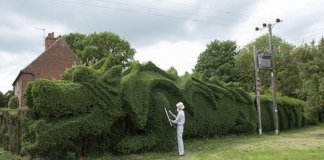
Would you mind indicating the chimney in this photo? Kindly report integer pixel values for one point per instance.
(49, 40)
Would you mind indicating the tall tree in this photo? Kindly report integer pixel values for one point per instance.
(311, 70)
(217, 60)
(75, 41)
(244, 69)
(100, 45)
(244, 63)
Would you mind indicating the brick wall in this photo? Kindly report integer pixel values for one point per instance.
(21, 83)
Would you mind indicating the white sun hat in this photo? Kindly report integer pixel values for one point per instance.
(180, 105)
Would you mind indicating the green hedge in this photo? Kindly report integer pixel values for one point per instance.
(11, 128)
(136, 88)
(104, 109)
(75, 115)
(13, 102)
(54, 100)
(28, 95)
(78, 135)
(290, 113)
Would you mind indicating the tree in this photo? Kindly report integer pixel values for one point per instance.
(6, 98)
(217, 60)
(2, 100)
(244, 67)
(100, 45)
(311, 71)
(244, 64)
(75, 41)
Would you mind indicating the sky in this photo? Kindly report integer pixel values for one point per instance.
(166, 32)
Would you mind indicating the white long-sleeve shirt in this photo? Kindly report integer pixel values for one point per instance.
(180, 119)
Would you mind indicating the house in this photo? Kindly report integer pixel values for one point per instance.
(51, 64)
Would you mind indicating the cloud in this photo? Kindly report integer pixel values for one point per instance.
(10, 66)
(141, 22)
(158, 29)
(181, 55)
(20, 34)
(300, 18)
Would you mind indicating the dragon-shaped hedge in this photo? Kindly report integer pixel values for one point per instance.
(103, 108)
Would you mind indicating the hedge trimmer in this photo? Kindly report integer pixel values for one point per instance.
(168, 116)
(172, 114)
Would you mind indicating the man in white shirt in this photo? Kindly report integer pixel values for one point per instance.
(180, 121)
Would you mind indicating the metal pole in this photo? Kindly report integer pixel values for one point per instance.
(257, 89)
(274, 84)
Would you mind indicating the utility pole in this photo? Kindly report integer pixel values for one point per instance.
(274, 82)
(273, 76)
(257, 89)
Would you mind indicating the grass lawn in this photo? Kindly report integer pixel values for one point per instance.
(299, 144)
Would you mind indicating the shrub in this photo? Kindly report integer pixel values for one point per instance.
(82, 74)
(102, 109)
(290, 112)
(10, 128)
(13, 102)
(52, 99)
(74, 118)
(28, 95)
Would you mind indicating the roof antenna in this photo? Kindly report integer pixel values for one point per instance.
(43, 29)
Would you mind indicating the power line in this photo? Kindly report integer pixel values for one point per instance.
(199, 7)
(163, 10)
(146, 13)
(114, 8)
(184, 13)
(206, 8)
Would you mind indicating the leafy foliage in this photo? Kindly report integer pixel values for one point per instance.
(218, 60)
(244, 63)
(9, 129)
(290, 113)
(13, 102)
(312, 75)
(299, 72)
(102, 109)
(2, 100)
(100, 45)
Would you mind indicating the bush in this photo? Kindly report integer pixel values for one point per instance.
(54, 100)
(102, 109)
(13, 102)
(83, 74)
(290, 113)
(10, 128)
(74, 118)
(28, 95)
